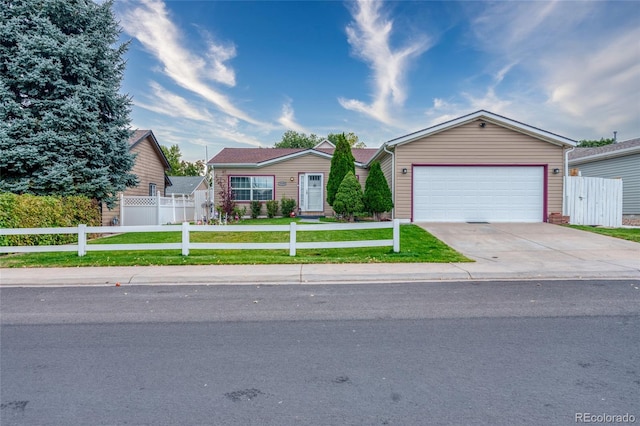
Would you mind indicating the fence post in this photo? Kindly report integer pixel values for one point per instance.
(158, 209)
(82, 240)
(185, 238)
(292, 239)
(122, 209)
(184, 209)
(396, 235)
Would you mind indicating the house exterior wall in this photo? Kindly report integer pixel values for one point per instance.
(627, 168)
(148, 168)
(283, 172)
(469, 144)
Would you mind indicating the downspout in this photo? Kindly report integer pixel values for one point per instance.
(393, 179)
(566, 175)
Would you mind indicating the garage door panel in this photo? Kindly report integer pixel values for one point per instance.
(478, 193)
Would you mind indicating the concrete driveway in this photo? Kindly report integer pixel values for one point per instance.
(530, 249)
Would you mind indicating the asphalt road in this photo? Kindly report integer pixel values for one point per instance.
(501, 353)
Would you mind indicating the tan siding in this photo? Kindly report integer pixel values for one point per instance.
(470, 144)
(285, 171)
(148, 168)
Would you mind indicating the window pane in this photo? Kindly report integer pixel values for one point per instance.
(242, 194)
(262, 182)
(240, 182)
(263, 194)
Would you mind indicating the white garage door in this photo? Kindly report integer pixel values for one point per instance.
(478, 194)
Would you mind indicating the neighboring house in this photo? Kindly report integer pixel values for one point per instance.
(481, 167)
(619, 160)
(271, 173)
(186, 185)
(150, 167)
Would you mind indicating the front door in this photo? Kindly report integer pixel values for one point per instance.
(311, 192)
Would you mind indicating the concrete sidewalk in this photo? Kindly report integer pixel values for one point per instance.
(309, 274)
(500, 251)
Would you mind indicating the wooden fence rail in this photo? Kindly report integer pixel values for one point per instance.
(185, 245)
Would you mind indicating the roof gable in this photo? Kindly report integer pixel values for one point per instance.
(140, 135)
(488, 117)
(260, 157)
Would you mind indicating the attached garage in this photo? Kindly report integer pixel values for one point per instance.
(486, 193)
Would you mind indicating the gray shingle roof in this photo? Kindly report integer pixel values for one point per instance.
(183, 184)
(260, 155)
(603, 150)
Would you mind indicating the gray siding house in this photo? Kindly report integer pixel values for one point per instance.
(619, 160)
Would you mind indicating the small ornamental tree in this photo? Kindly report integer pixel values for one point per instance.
(226, 198)
(342, 162)
(377, 195)
(348, 199)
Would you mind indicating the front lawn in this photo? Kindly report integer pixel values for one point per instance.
(631, 234)
(416, 245)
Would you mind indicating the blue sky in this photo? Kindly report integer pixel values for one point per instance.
(240, 73)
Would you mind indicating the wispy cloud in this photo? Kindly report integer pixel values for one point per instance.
(287, 119)
(369, 36)
(172, 105)
(561, 65)
(149, 22)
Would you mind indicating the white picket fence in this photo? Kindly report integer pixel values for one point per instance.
(593, 201)
(157, 210)
(185, 245)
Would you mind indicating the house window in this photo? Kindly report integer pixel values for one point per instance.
(152, 189)
(252, 188)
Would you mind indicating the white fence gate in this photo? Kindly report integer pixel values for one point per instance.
(593, 201)
(142, 211)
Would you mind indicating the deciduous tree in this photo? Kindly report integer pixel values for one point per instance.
(180, 167)
(293, 139)
(594, 143)
(352, 138)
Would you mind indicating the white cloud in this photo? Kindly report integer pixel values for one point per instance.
(573, 67)
(172, 105)
(369, 37)
(149, 22)
(287, 119)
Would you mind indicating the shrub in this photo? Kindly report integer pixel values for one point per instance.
(256, 209)
(239, 213)
(272, 208)
(349, 197)
(287, 205)
(32, 211)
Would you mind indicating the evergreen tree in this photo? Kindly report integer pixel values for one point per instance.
(64, 127)
(342, 162)
(349, 197)
(377, 195)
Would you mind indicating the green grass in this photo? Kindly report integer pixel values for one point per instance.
(631, 234)
(416, 245)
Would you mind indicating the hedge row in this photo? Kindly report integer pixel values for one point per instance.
(30, 211)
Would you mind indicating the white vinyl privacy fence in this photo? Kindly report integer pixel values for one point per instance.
(157, 210)
(185, 244)
(593, 201)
